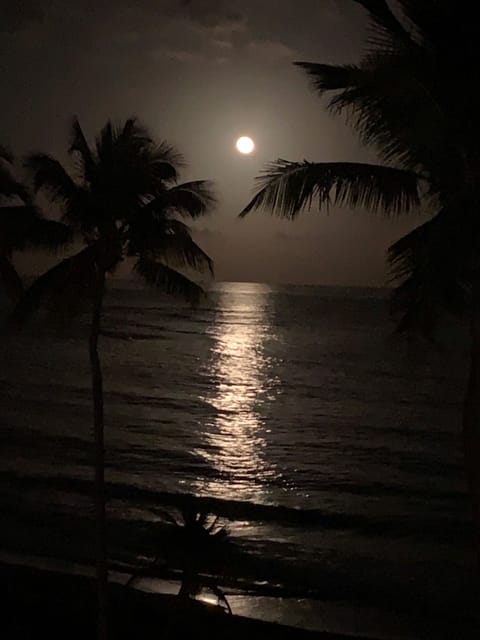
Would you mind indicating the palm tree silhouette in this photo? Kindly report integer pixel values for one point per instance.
(198, 543)
(124, 203)
(399, 101)
(21, 225)
(200, 539)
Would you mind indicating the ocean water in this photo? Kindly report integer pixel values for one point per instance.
(331, 448)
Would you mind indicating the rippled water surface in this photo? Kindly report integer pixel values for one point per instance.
(290, 397)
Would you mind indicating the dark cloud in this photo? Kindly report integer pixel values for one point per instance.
(271, 51)
(16, 16)
(184, 31)
(212, 12)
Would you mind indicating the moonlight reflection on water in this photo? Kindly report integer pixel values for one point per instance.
(236, 440)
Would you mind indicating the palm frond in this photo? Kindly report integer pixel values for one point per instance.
(122, 141)
(49, 175)
(166, 517)
(405, 254)
(286, 188)
(190, 199)
(133, 131)
(133, 139)
(386, 31)
(165, 161)
(390, 103)
(184, 252)
(104, 143)
(11, 188)
(167, 238)
(432, 245)
(329, 77)
(22, 226)
(432, 266)
(158, 274)
(438, 23)
(10, 281)
(5, 154)
(15, 225)
(49, 234)
(80, 147)
(168, 153)
(129, 159)
(202, 518)
(64, 288)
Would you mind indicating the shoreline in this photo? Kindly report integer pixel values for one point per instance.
(63, 605)
(58, 593)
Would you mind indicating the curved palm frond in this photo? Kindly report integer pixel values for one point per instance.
(69, 284)
(80, 147)
(129, 159)
(435, 244)
(132, 140)
(439, 23)
(379, 99)
(165, 161)
(5, 154)
(432, 265)
(420, 300)
(9, 186)
(133, 132)
(104, 142)
(386, 30)
(286, 188)
(49, 175)
(168, 238)
(158, 274)
(49, 234)
(22, 226)
(330, 77)
(166, 517)
(128, 140)
(382, 115)
(190, 199)
(10, 281)
(15, 225)
(180, 251)
(169, 153)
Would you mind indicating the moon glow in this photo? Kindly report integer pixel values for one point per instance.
(245, 145)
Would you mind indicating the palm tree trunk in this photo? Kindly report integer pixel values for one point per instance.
(100, 511)
(471, 425)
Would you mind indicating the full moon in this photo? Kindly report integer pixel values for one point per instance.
(245, 145)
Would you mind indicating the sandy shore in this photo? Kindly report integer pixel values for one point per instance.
(39, 603)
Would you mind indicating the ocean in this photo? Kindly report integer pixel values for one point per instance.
(329, 446)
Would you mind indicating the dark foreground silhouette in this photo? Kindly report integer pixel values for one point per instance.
(201, 541)
(40, 603)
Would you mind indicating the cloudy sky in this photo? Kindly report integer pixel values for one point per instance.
(200, 73)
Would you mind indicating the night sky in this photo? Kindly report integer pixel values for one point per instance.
(200, 73)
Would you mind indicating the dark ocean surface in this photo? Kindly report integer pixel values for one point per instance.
(331, 448)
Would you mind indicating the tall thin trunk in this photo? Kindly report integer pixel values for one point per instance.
(471, 424)
(100, 511)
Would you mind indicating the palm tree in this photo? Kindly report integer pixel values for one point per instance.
(21, 225)
(402, 99)
(197, 546)
(124, 203)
